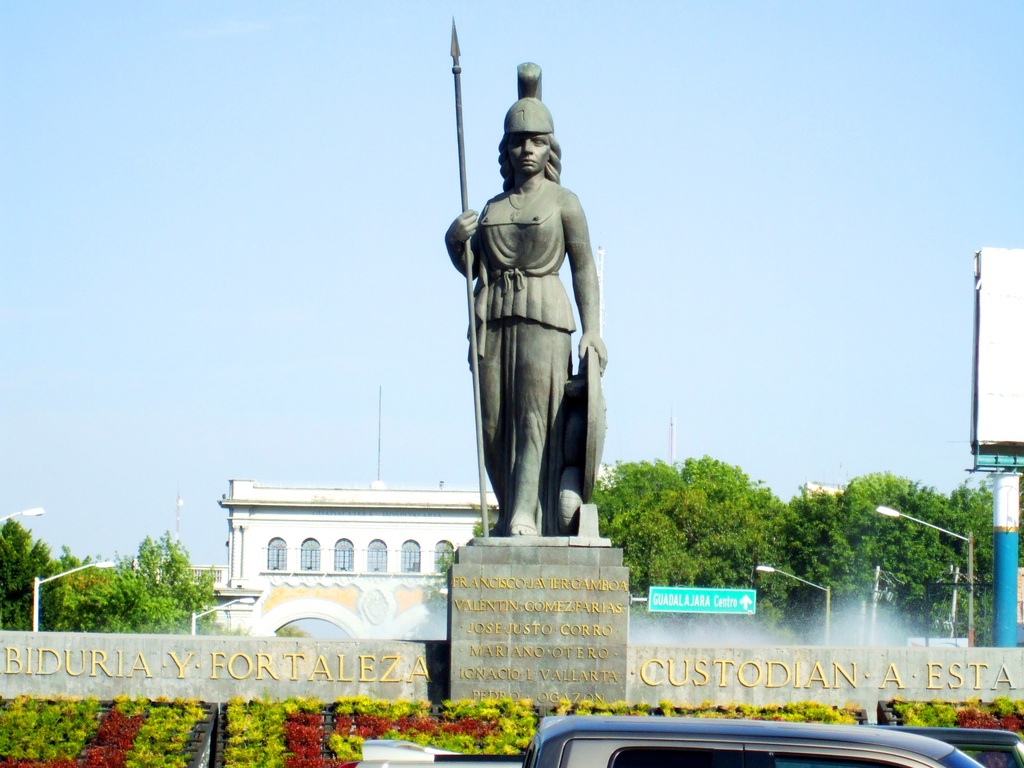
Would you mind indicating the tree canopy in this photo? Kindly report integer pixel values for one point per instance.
(706, 523)
(152, 591)
(21, 560)
(702, 521)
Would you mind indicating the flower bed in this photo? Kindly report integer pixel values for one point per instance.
(303, 733)
(125, 734)
(794, 712)
(501, 727)
(1002, 713)
(48, 734)
(274, 734)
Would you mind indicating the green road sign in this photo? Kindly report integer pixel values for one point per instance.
(702, 600)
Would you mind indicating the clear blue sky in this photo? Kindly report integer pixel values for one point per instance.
(221, 233)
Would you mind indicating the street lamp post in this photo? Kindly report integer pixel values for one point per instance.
(38, 582)
(34, 512)
(238, 601)
(969, 538)
(826, 590)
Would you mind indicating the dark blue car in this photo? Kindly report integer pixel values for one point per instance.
(677, 742)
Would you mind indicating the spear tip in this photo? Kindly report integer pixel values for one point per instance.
(455, 43)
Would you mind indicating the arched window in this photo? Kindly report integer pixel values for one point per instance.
(343, 555)
(377, 557)
(277, 555)
(410, 557)
(443, 555)
(309, 557)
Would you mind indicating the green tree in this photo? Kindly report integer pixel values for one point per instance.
(624, 485)
(80, 591)
(631, 501)
(154, 591)
(825, 542)
(705, 523)
(21, 560)
(838, 540)
(970, 512)
(701, 523)
(918, 556)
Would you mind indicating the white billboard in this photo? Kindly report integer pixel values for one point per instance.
(997, 423)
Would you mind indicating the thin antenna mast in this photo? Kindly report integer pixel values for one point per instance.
(177, 517)
(671, 438)
(380, 399)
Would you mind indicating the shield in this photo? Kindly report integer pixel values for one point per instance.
(596, 425)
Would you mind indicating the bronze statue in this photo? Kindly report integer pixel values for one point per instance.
(530, 402)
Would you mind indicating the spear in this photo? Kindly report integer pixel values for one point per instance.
(468, 255)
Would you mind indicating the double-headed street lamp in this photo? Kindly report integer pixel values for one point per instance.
(826, 590)
(969, 538)
(38, 582)
(237, 601)
(34, 512)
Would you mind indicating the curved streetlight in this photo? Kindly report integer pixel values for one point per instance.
(826, 590)
(969, 538)
(237, 601)
(34, 512)
(38, 582)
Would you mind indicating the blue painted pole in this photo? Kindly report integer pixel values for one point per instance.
(1006, 522)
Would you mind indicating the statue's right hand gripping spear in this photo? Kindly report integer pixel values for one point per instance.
(468, 257)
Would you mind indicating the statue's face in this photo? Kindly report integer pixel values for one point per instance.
(529, 152)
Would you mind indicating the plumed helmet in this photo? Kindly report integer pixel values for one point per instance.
(529, 115)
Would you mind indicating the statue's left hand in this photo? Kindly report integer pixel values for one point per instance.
(591, 341)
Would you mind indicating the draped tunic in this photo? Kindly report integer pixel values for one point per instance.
(525, 321)
(522, 250)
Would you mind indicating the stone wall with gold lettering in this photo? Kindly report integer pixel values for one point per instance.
(221, 668)
(218, 668)
(836, 676)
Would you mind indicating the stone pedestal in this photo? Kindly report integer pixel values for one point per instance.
(540, 618)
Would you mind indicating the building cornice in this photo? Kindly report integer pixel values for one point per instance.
(245, 493)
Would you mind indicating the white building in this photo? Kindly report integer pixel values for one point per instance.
(365, 560)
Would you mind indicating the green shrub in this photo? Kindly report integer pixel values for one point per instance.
(927, 713)
(164, 735)
(489, 727)
(34, 729)
(255, 734)
(794, 712)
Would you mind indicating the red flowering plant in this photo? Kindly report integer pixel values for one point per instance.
(114, 738)
(973, 717)
(490, 727)
(1002, 713)
(304, 739)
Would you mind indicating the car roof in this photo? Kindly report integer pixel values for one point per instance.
(624, 726)
(399, 751)
(959, 736)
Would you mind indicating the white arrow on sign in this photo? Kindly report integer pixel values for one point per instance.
(746, 602)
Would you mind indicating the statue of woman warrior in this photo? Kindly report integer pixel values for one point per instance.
(524, 319)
